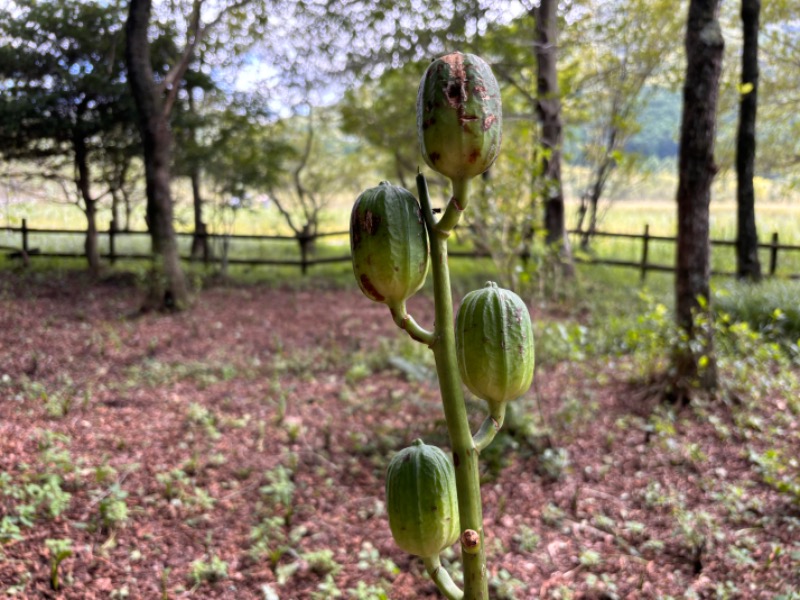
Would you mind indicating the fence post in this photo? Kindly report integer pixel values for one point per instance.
(24, 230)
(305, 238)
(112, 230)
(645, 251)
(302, 239)
(773, 255)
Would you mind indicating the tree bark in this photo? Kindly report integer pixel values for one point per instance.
(747, 263)
(200, 246)
(549, 112)
(694, 361)
(168, 289)
(82, 181)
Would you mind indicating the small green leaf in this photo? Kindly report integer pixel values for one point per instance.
(745, 88)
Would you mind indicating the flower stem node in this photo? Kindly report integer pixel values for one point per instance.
(471, 541)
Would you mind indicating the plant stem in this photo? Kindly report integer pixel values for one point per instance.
(407, 323)
(465, 455)
(442, 579)
(490, 426)
(458, 202)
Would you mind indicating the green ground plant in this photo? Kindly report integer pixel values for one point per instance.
(209, 569)
(59, 551)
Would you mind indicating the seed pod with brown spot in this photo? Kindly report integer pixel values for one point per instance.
(459, 116)
(389, 244)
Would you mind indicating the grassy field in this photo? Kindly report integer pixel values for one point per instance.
(647, 201)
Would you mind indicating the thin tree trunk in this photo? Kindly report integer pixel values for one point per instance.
(747, 263)
(200, 246)
(168, 289)
(549, 111)
(694, 360)
(82, 180)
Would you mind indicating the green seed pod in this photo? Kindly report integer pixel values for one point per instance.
(459, 116)
(389, 244)
(421, 500)
(494, 344)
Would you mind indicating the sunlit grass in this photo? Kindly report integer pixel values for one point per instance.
(647, 201)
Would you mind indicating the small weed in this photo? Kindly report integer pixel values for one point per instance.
(199, 415)
(552, 515)
(322, 562)
(603, 586)
(358, 372)
(113, 508)
(368, 592)
(590, 558)
(370, 559)
(553, 463)
(779, 471)
(59, 550)
(279, 489)
(504, 586)
(268, 539)
(208, 570)
(527, 539)
(326, 589)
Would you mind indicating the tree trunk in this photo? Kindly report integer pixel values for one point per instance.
(200, 246)
(694, 360)
(82, 182)
(747, 264)
(168, 289)
(549, 111)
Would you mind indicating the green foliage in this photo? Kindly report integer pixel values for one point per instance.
(39, 493)
(779, 471)
(113, 508)
(201, 416)
(66, 101)
(364, 591)
(59, 551)
(208, 569)
(553, 463)
(380, 113)
(505, 587)
(279, 489)
(770, 308)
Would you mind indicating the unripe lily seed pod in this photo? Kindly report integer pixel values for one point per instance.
(421, 500)
(389, 244)
(459, 116)
(494, 344)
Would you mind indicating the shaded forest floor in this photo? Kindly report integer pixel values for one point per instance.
(237, 450)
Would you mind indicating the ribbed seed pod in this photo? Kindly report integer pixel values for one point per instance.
(494, 344)
(459, 116)
(421, 500)
(389, 243)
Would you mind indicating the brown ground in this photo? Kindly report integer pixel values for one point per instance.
(252, 378)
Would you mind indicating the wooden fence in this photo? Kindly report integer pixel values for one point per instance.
(307, 259)
(643, 264)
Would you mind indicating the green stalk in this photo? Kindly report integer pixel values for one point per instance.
(442, 578)
(407, 323)
(465, 454)
(458, 202)
(490, 426)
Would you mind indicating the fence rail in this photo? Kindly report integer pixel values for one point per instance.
(306, 258)
(643, 264)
